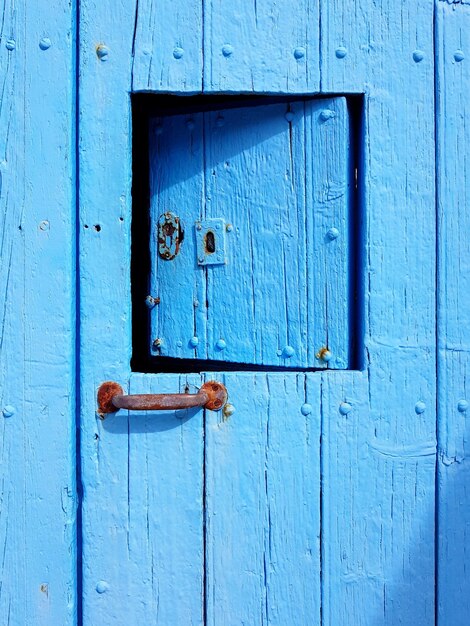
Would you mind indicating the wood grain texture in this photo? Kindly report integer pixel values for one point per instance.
(279, 176)
(385, 50)
(177, 186)
(265, 46)
(168, 50)
(378, 483)
(453, 171)
(263, 502)
(37, 317)
(104, 145)
(165, 514)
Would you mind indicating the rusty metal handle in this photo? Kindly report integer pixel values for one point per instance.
(111, 397)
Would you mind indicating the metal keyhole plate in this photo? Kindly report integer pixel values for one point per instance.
(210, 239)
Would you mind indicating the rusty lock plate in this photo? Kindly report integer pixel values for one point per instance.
(170, 235)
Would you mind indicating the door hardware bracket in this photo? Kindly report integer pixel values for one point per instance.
(210, 239)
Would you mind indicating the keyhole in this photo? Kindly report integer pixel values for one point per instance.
(209, 241)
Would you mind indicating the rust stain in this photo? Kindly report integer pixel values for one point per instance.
(324, 351)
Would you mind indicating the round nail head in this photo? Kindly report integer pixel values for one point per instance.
(45, 43)
(420, 407)
(8, 410)
(102, 586)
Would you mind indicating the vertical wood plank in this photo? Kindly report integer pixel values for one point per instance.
(177, 186)
(453, 172)
(141, 560)
(255, 167)
(106, 40)
(264, 46)
(168, 52)
(328, 163)
(263, 502)
(385, 50)
(37, 316)
(376, 543)
(165, 529)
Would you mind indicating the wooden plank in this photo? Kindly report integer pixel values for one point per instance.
(453, 171)
(255, 169)
(179, 322)
(385, 50)
(37, 334)
(328, 163)
(106, 40)
(263, 501)
(266, 46)
(165, 516)
(374, 557)
(133, 569)
(168, 52)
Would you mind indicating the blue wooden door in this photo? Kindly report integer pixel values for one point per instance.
(310, 499)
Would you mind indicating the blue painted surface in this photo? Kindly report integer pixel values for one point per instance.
(276, 179)
(316, 497)
(37, 314)
(453, 172)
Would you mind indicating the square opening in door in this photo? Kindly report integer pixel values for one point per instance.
(246, 238)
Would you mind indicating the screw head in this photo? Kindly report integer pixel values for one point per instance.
(8, 410)
(102, 586)
(102, 52)
(418, 56)
(332, 234)
(420, 407)
(221, 344)
(194, 341)
(306, 409)
(326, 115)
(299, 53)
(324, 355)
(227, 50)
(345, 408)
(462, 406)
(10, 44)
(229, 410)
(341, 52)
(288, 352)
(178, 52)
(459, 56)
(45, 43)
